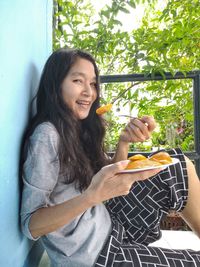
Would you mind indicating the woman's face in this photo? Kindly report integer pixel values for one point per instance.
(79, 88)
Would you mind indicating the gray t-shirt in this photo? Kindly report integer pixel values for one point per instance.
(78, 243)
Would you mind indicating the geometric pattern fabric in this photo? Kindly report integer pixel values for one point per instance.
(136, 221)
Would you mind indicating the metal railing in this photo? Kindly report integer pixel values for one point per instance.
(195, 76)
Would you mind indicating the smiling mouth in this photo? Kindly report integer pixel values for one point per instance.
(84, 104)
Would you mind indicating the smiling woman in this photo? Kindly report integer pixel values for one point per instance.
(76, 198)
(79, 88)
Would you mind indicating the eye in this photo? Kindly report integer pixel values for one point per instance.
(77, 81)
(93, 85)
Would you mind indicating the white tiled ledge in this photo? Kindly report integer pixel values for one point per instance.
(178, 240)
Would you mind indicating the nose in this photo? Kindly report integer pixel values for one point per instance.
(88, 90)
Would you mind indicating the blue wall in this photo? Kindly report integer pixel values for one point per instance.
(25, 44)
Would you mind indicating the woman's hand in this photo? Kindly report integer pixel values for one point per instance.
(138, 129)
(109, 183)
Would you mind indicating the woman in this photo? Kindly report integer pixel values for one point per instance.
(68, 179)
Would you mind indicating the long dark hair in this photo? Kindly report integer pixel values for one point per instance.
(81, 151)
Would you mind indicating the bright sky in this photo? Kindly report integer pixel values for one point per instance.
(130, 21)
(133, 19)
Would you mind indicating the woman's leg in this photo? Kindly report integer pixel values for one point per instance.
(141, 211)
(136, 218)
(117, 252)
(142, 256)
(191, 213)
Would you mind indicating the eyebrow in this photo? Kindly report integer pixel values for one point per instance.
(77, 73)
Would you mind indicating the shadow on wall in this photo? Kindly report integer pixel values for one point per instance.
(33, 81)
(35, 248)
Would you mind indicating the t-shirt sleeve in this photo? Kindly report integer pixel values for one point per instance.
(40, 173)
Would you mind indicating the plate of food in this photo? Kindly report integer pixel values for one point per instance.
(139, 162)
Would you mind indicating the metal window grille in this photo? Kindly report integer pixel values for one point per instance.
(195, 76)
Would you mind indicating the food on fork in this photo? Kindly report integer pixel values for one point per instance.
(103, 109)
(139, 161)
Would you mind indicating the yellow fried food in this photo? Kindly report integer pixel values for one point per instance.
(139, 164)
(137, 157)
(103, 109)
(139, 161)
(162, 157)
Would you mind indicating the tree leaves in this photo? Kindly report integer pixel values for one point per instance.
(166, 41)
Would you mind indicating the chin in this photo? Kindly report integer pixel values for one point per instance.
(82, 116)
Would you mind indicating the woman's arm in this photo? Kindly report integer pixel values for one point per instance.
(49, 219)
(121, 152)
(191, 213)
(106, 184)
(137, 130)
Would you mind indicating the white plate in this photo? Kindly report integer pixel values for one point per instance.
(174, 161)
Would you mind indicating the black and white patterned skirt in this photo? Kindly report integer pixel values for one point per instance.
(136, 221)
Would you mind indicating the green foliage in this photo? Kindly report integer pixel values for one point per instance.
(113, 131)
(166, 41)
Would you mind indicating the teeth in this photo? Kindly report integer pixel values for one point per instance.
(83, 102)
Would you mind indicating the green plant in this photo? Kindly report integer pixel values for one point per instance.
(166, 41)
